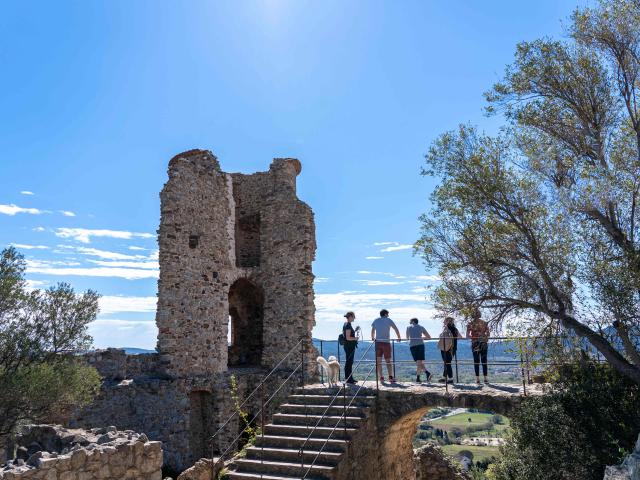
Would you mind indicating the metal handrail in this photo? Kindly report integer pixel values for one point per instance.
(299, 366)
(343, 390)
(255, 390)
(344, 419)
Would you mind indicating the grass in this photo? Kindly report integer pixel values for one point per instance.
(479, 453)
(461, 420)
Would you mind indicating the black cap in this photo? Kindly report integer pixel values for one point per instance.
(349, 314)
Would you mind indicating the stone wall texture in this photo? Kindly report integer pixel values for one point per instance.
(49, 452)
(431, 463)
(629, 469)
(236, 252)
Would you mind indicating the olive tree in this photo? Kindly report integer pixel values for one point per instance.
(540, 222)
(41, 332)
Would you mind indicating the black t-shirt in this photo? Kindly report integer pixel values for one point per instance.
(345, 328)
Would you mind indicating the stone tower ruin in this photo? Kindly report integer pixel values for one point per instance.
(235, 294)
(235, 266)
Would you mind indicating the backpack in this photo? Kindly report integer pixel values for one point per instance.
(445, 343)
(341, 339)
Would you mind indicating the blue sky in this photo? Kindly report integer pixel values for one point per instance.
(97, 97)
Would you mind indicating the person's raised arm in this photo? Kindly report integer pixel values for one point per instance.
(425, 334)
(393, 325)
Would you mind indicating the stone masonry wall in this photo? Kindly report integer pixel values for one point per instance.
(50, 452)
(218, 228)
(431, 463)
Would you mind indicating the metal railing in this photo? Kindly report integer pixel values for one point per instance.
(342, 391)
(299, 347)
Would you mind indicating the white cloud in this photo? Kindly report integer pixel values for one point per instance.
(30, 247)
(321, 280)
(127, 264)
(429, 278)
(35, 284)
(124, 333)
(67, 213)
(94, 252)
(39, 229)
(133, 247)
(110, 304)
(377, 283)
(26, 192)
(380, 244)
(84, 235)
(126, 273)
(14, 209)
(373, 258)
(395, 248)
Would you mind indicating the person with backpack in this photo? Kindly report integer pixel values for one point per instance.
(448, 346)
(415, 335)
(478, 332)
(349, 341)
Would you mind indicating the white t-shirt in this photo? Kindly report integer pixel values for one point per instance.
(382, 327)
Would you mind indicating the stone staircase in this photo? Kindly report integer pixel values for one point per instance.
(275, 456)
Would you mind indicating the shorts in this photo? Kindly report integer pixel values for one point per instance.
(417, 352)
(383, 349)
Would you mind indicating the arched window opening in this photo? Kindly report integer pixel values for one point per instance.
(246, 308)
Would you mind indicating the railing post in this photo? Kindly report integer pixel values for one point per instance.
(393, 358)
(322, 369)
(375, 356)
(524, 383)
(339, 371)
(457, 378)
(262, 422)
(344, 410)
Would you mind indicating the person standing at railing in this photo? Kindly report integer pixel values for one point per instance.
(350, 345)
(415, 334)
(448, 346)
(380, 333)
(478, 332)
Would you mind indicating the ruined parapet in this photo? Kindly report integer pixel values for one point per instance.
(235, 266)
(55, 453)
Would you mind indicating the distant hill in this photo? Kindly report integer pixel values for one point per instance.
(136, 351)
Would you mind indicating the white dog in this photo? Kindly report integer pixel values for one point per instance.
(331, 369)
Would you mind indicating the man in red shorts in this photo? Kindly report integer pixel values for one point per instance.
(380, 333)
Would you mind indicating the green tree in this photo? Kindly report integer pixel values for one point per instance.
(587, 421)
(541, 222)
(41, 377)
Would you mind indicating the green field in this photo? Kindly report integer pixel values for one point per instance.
(461, 420)
(479, 453)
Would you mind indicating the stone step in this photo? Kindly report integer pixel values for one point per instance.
(304, 431)
(364, 400)
(312, 420)
(261, 476)
(335, 409)
(277, 441)
(286, 468)
(325, 390)
(293, 455)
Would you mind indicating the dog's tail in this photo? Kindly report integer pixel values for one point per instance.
(323, 362)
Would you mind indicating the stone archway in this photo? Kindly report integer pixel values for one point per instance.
(246, 317)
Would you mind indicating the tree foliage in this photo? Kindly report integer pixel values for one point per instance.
(588, 420)
(540, 222)
(41, 332)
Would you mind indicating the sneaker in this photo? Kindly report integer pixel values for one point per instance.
(442, 380)
(392, 379)
(478, 381)
(418, 379)
(352, 381)
(429, 375)
(382, 379)
(486, 382)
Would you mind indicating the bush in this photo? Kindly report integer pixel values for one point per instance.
(589, 419)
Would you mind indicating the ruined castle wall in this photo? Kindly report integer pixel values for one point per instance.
(195, 263)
